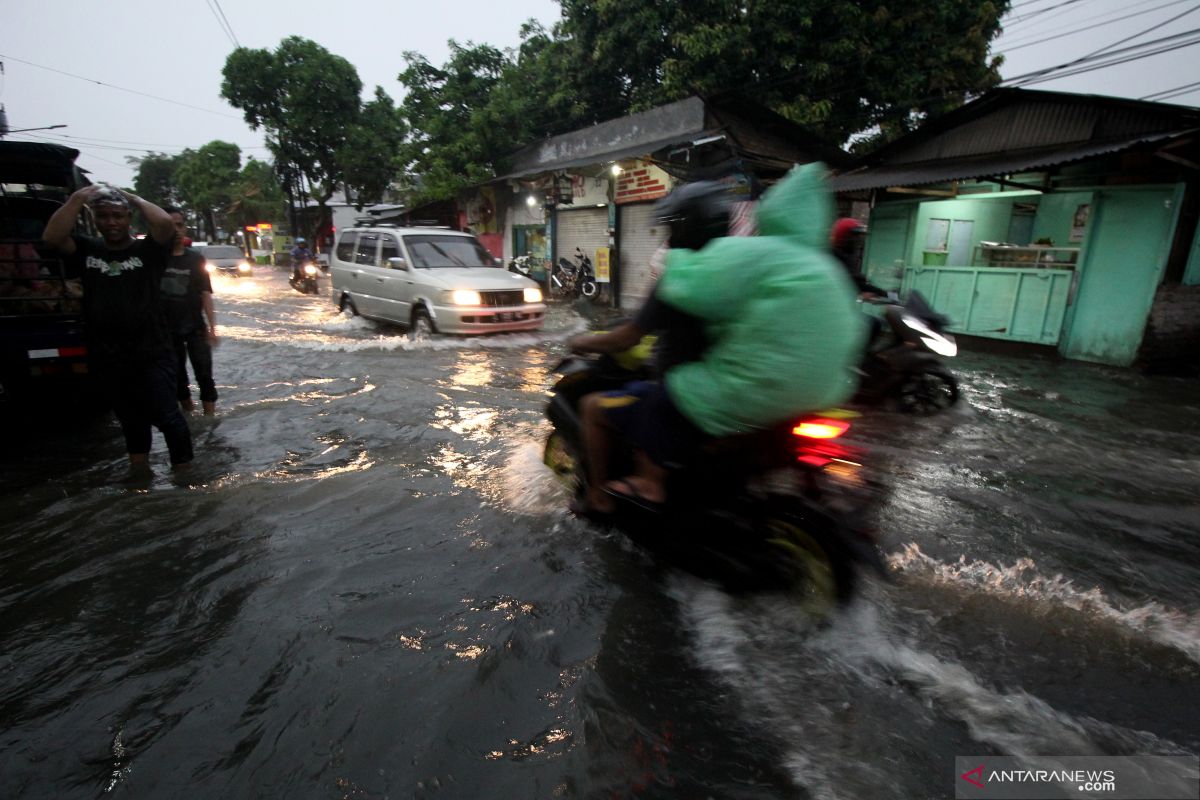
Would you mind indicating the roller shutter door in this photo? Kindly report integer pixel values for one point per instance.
(585, 228)
(641, 236)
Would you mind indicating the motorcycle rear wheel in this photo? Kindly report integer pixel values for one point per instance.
(805, 552)
(589, 289)
(927, 392)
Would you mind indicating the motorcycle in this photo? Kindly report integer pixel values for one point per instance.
(520, 265)
(575, 279)
(304, 278)
(904, 363)
(775, 509)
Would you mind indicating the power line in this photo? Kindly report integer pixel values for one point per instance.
(1079, 68)
(120, 88)
(1187, 88)
(215, 7)
(1142, 33)
(1024, 41)
(1036, 75)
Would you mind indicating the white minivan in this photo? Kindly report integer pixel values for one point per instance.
(432, 280)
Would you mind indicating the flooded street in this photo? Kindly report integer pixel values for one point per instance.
(368, 586)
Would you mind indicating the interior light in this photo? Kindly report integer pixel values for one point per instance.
(531, 201)
(616, 170)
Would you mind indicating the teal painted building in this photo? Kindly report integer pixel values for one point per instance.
(1066, 221)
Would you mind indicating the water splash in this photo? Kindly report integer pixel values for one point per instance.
(1161, 624)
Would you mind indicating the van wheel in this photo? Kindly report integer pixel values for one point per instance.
(422, 326)
(345, 302)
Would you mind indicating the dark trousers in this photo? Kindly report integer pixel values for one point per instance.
(194, 346)
(141, 392)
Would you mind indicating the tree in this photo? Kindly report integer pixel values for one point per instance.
(257, 196)
(455, 140)
(155, 178)
(371, 156)
(841, 67)
(207, 178)
(306, 99)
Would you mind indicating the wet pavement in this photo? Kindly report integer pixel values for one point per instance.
(367, 586)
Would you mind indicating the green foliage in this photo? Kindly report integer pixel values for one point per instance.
(256, 195)
(846, 69)
(206, 179)
(455, 138)
(841, 67)
(305, 98)
(372, 154)
(155, 178)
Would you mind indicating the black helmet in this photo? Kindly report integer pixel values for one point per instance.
(697, 213)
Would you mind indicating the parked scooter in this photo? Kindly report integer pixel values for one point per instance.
(764, 511)
(904, 364)
(304, 277)
(575, 279)
(520, 265)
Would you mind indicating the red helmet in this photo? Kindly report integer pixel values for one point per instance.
(845, 229)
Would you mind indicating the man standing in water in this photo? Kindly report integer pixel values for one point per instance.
(129, 349)
(188, 303)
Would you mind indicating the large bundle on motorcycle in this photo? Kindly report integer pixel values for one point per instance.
(764, 296)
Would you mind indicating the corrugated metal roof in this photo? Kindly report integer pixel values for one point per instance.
(984, 166)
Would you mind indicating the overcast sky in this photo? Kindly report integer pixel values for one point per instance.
(129, 76)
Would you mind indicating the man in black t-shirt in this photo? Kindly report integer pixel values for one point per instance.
(187, 301)
(129, 347)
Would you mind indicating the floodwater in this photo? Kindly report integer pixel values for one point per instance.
(367, 587)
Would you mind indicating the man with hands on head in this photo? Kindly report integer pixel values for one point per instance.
(130, 352)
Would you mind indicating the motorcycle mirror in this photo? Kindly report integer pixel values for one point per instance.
(397, 262)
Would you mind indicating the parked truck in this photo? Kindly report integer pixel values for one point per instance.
(42, 349)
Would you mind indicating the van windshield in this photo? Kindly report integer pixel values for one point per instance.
(447, 251)
(222, 251)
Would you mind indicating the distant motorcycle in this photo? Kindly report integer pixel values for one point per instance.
(304, 278)
(904, 363)
(575, 279)
(521, 265)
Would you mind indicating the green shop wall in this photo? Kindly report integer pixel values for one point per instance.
(1056, 217)
(887, 243)
(990, 213)
(1191, 276)
(1124, 258)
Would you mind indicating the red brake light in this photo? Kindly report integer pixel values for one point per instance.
(821, 428)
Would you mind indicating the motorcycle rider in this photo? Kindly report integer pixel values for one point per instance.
(696, 214)
(778, 311)
(846, 240)
(300, 256)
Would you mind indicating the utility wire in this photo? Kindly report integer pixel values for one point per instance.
(121, 88)
(1187, 88)
(1022, 42)
(1112, 62)
(1139, 34)
(1030, 77)
(215, 7)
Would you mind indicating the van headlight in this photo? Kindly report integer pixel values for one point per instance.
(533, 295)
(243, 267)
(465, 297)
(209, 267)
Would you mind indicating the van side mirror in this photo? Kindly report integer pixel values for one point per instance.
(397, 262)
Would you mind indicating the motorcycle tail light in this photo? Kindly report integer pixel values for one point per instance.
(820, 428)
